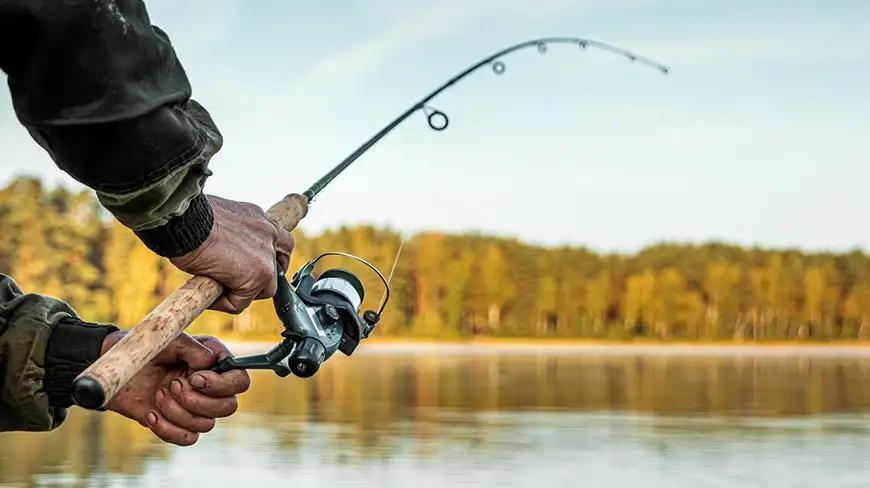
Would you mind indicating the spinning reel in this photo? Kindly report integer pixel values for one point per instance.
(320, 317)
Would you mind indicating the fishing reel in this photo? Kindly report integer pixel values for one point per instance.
(320, 316)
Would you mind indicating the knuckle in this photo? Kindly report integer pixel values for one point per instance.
(208, 355)
(269, 292)
(264, 274)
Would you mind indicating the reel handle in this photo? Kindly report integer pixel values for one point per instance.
(96, 385)
(308, 357)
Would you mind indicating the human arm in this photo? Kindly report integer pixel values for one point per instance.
(102, 90)
(44, 346)
(104, 93)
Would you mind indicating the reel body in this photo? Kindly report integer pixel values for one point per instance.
(320, 316)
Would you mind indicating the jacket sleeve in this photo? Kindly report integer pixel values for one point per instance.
(102, 91)
(43, 347)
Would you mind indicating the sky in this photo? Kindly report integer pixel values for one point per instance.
(756, 137)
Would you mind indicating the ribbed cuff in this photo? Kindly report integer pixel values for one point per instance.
(72, 347)
(182, 234)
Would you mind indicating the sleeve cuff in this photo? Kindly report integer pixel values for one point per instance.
(182, 234)
(72, 347)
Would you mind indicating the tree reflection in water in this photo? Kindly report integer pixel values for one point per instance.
(373, 406)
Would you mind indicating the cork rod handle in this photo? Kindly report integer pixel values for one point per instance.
(95, 386)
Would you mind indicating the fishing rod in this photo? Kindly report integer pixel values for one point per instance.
(320, 314)
(498, 67)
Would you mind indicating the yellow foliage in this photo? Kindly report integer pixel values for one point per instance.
(57, 243)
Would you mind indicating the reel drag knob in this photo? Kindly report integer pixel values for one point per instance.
(308, 357)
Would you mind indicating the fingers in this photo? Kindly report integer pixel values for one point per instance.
(166, 421)
(241, 252)
(186, 349)
(284, 245)
(231, 303)
(263, 285)
(169, 432)
(284, 261)
(219, 349)
(180, 411)
(270, 290)
(176, 414)
(201, 404)
(234, 382)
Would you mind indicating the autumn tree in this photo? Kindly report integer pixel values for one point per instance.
(60, 243)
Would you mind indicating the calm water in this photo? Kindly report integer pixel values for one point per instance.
(441, 418)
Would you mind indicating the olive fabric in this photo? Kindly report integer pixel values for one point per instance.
(43, 347)
(102, 91)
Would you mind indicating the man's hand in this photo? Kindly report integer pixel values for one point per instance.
(173, 397)
(241, 253)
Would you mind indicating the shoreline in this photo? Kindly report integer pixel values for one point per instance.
(584, 347)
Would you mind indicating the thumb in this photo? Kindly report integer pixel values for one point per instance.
(186, 349)
(232, 303)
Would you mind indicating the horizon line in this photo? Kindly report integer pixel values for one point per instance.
(475, 232)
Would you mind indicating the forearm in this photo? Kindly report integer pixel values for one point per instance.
(103, 92)
(43, 347)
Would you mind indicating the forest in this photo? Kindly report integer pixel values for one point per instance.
(63, 244)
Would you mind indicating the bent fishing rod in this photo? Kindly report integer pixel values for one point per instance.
(320, 314)
(498, 67)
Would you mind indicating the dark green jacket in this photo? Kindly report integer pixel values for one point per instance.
(102, 91)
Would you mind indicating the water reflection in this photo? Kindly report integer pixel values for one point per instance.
(429, 417)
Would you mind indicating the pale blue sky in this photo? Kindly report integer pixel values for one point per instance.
(758, 136)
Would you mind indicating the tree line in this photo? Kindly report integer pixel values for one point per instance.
(62, 243)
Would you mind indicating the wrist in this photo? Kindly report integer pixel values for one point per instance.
(183, 233)
(72, 347)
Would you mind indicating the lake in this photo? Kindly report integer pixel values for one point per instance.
(442, 416)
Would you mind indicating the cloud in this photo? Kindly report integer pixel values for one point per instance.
(416, 25)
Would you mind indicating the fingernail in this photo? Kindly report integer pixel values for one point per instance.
(151, 417)
(160, 395)
(197, 381)
(175, 386)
